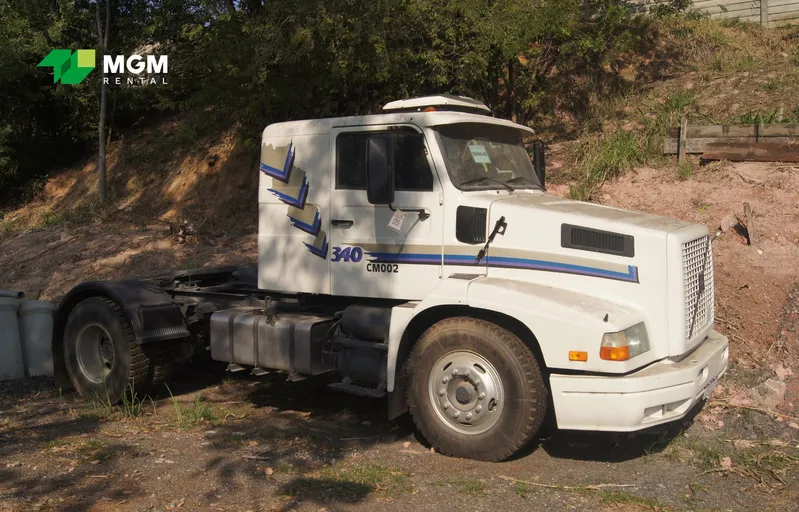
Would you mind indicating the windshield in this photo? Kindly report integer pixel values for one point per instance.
(483, 156)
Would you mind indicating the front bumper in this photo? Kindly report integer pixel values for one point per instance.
(661, 392)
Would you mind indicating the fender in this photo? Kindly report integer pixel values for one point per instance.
(561, 320)
(150, 311)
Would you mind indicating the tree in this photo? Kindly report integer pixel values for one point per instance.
(102, 39)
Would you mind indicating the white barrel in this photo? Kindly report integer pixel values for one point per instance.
(12, 365)
(36, 333)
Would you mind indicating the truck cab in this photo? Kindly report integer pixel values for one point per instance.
(416, 254)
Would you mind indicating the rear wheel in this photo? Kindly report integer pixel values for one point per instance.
(475, 390)
(101, 353)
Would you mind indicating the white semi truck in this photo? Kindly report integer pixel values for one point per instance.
(416, 254)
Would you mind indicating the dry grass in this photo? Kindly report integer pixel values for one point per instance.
(717, 73)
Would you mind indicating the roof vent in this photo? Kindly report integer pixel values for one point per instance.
(441, 102)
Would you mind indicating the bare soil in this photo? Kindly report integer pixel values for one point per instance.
(266, 444)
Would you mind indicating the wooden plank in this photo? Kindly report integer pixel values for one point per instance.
(738, 130)
(700, 145)
(683, 140)
(756, 152)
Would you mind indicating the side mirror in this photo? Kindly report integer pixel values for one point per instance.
(380, 170)
(539, 163)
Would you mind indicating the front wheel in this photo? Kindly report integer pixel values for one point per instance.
(475, 389)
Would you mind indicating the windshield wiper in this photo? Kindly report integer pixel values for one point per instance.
(481, 179)
(525, 178)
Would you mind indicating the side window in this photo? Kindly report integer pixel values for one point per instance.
(411, 169)
(351, 160)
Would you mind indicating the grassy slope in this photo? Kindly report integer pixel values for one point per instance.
(710, 72)
(201, 168)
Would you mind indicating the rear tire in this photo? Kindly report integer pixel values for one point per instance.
(475, 389)
(101, 353)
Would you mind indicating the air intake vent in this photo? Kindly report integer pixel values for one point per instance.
(470, 225)
(594, 240)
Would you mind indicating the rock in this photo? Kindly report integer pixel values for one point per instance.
(768, 394)
(782, 372)
(726, 462)
(742, 444)
(13, 464)
(269, 471)
(406, 444)
(728, 222)
(793, 425)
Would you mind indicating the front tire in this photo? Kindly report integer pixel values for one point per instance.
(475, 390)
(101, 353)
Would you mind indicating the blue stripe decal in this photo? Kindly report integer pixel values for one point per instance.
(311, 229)
(502, 262)
(281, 174)
(299, 201)
(321, 252)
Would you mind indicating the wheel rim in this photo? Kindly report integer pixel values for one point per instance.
(95, 352)
(466, 392)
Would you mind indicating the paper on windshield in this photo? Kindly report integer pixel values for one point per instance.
(479, 154)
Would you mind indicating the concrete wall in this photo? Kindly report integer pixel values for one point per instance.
(771, 12)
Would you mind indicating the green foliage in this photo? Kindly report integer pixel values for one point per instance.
(604, 157)
(768, 117)
(672, 8)
(299, 59)
(193, 415)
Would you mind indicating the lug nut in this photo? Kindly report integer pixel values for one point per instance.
(476, 382)
(466, 372)
(469, 416)
(446, 406)
(445, 380)
(481, 396)
(441, 392)
(455, 372)
(478, 409)
(456, 414)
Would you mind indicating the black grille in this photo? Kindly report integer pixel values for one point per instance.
(595, 240)
(470, 225)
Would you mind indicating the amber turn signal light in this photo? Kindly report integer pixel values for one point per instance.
(615, 353)
(578, 356)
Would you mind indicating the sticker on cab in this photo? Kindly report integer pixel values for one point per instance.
(397, 220)
(479, 154)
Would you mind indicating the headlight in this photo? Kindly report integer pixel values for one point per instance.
(626, 344)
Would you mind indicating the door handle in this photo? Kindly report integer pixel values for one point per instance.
(341, 222)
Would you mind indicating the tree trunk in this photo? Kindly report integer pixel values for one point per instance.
(102, 39)
(511, 92)
(231, 8)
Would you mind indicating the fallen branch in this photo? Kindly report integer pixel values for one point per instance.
(750, 181)
(255, 457)
(593, 487)
(361, 438)
(724, 403)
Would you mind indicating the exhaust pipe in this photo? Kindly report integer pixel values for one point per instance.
(13, 295)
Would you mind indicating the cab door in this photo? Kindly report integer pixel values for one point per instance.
(368, 256)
